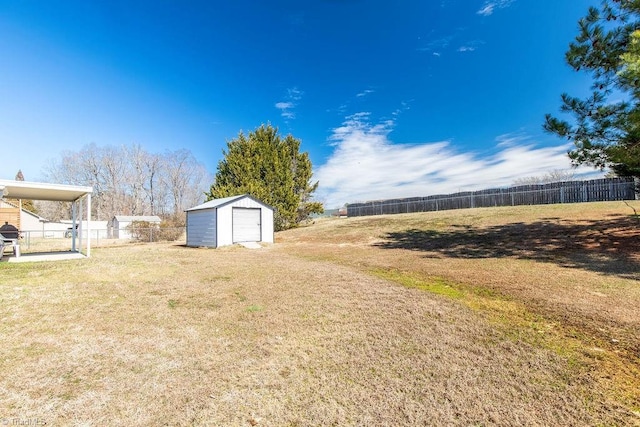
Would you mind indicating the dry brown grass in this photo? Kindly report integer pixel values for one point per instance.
(564, 277)
(316, 331)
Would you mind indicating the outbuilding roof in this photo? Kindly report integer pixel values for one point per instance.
(217, 203)
(145, 218)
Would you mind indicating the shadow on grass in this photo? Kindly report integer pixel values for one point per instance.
(610, 246)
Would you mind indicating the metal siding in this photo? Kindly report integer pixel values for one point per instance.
(246, 202)
(267, 225)
(201, 228)
(225, 236)
(266, 219)
(224, 221)
(247, 224)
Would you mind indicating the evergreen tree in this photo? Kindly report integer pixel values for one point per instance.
(605, 130)
(271, 169)
(25, 204)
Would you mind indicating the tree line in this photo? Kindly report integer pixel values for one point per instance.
(128, 180)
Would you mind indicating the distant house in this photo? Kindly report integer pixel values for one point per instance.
(22, 219)
(222, 222)
(118, 226)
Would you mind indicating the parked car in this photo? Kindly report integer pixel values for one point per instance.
(69, 232)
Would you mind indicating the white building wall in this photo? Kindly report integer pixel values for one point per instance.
(225, 231)
(267, 225)
(120, 229)
(201, 228)
(58, 229)
(29, 223)
(123, 232)
(225, 221)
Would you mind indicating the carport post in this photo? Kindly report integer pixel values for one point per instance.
(88, 225)
(80, 227)
(73, 225)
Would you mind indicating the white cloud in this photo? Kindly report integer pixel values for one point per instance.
(367, 165)
(287, 106)
(295, 94)
(365, 93)
(487, 9)
(284, 105)
(490, 6)
(471, 46)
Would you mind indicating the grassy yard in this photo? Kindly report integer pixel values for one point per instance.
(506, 316)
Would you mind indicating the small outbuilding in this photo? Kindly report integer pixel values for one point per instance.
(223, 222)
(118, 226)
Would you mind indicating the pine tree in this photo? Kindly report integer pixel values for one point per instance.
(25, 204)
(271, 169)
(604, 129)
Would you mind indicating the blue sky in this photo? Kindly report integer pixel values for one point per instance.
(390, 99)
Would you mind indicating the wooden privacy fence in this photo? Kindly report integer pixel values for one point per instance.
(596, 190)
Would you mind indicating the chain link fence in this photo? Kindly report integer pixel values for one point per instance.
(45, 241)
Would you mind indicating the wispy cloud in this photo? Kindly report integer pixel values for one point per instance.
(437, 45)
(290, 102)
(490, 6)
(285, 108)
(367, 165)
(365, 93)
(471, 46)
(359, 99)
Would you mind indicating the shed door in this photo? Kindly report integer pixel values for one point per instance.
(246, 225)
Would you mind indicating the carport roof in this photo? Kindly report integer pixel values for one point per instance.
(42, 191)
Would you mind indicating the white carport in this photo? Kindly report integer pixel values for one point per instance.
(79, 196)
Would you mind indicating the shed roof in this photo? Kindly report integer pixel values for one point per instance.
(42, 191)
(145, 218)
(217, 203)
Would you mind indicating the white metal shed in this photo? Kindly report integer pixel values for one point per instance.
(223, 222)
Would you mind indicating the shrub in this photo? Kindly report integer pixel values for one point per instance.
(168, 230)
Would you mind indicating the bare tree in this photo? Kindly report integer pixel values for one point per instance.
(153, 164)
(557, 175)
(132, 181)
(136, 177)
(186, 179)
